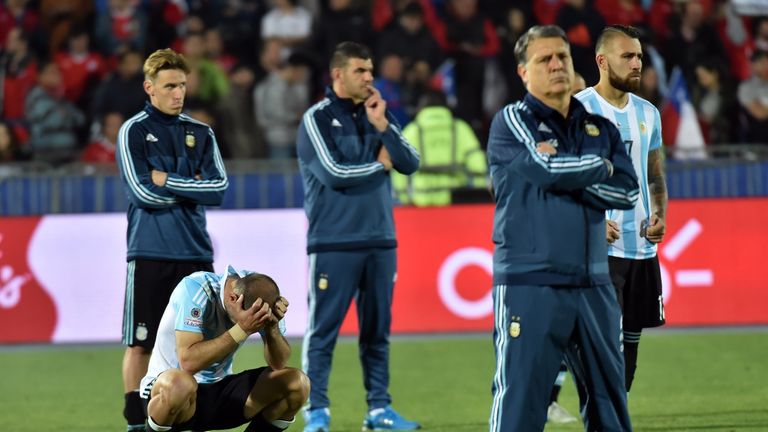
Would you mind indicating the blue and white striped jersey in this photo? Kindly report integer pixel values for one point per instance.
(190, 309)
(639, 124)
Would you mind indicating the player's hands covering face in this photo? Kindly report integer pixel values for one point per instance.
(254, 318)
(278, 311)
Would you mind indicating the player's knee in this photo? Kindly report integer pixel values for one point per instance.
(176, 389)
(297, 387)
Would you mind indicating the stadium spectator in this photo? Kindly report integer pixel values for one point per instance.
(545, 11)
(714, 98)
(693, 37)
(58, 17)
(125, 81)
(632, 233)
(166, 21)
(214, 50)
(649, 86)
(517, 20)
(55, 123)
(470, 38)
(582, 23)
(242, 134)
(190, 384)
(21, 14)
(733, 32)
(626, 12)
(389, 83)
(341, 21)
(122, 26)
(417, 82)
(102, 148)
(753, 98)
(270, 58)
(240, 25)
(81, 68)
(171, 169)
(279, 102)
(409, 38)
(19, 72)
(347, 143)
(551, 190)
(193, 24)
(288, 22)
(213, 85)
(451, 156)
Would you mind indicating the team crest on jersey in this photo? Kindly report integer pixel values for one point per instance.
(141, 332)
(514, 327)
(643, 129)
(195, 312)
(591, 130)
(189, 140)
(322, 283)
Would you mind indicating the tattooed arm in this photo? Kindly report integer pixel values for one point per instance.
(657, 186)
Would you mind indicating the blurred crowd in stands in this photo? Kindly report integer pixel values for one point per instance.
(71, 69)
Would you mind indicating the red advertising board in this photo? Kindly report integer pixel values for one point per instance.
(60, 275)
(27, 311)
(711, 261)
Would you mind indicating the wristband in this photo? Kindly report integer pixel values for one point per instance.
(238, 334)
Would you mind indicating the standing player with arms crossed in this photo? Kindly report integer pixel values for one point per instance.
(171, 169)
(633, 234)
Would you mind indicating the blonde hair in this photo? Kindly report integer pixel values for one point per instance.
(164, 59)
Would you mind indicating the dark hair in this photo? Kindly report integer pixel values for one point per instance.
(611, 31)
(347, 50)
(432, 97)
(256, 285)
(533, 33)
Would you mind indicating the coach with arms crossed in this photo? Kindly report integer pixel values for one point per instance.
(555, 169)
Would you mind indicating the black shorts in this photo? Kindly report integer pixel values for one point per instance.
(148, 287)
(220, 405)
(638, 288)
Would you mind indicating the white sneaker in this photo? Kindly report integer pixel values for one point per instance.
(558, 415)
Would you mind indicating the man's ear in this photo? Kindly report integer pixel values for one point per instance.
(335, 73)
(148, 88)
(523, 73)
(602, 62)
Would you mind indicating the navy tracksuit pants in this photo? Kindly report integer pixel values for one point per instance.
(534, 327)
(335, 278)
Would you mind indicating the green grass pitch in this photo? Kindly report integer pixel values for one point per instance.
(713, 380)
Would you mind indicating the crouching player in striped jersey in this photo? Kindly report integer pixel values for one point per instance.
(633, 234)
(190, 384)
(555, 169)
